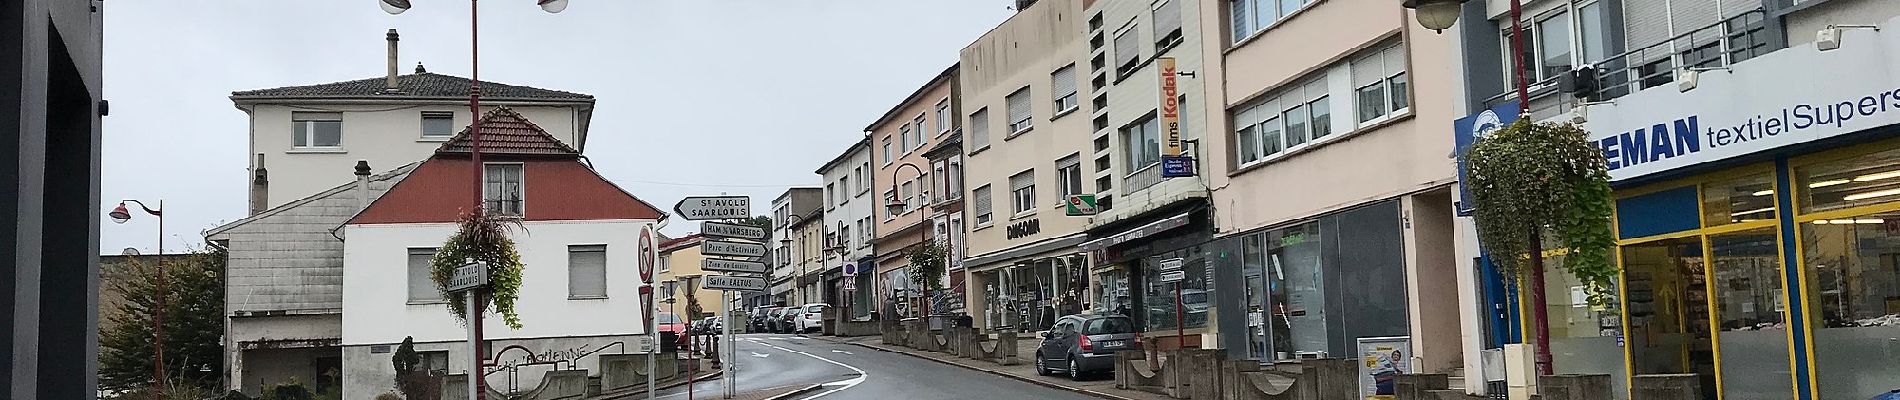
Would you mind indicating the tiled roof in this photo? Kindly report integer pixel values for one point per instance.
(417, 85)
(506, 132)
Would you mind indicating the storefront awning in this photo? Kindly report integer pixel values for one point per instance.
(1001, 257)
(1132, 234)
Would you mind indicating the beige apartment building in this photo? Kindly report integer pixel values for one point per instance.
(1020, 89)
(1331, 178)
(899, 139)
(680, 258)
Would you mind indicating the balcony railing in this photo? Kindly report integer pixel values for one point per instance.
(1717, 45)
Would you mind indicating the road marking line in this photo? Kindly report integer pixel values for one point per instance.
(848, 383)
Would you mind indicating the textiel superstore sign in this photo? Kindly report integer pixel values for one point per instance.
(1788, 97)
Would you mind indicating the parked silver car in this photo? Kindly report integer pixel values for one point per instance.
(1082, 344)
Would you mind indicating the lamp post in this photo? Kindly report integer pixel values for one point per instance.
(923, 235)
(393, 7)
(1438, 15)
(119, 215)
(791, 218)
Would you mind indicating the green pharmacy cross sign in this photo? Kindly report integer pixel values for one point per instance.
(1081, 205)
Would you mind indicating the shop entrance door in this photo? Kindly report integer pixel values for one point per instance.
(1668, 296)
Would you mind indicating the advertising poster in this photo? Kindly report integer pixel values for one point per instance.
(1381, 360)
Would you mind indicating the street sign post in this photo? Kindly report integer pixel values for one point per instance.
(738, 283)
(1171, 272)
(701, 208)
(1081, 204)
(731, 231)
(732, 249)
(724, 265)
(1173, 276)
(468, 276)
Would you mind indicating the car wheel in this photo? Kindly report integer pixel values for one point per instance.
(1075, 370)
(1041, 368)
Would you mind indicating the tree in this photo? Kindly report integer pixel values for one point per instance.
(927, 261)
(193, 323)
(411, 380)
(763, 222)
(1530, 180)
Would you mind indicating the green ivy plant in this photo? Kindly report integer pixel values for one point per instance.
(1549, 178)
(482, 238)
(926, 264)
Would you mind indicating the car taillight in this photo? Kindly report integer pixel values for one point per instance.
(1086, 344)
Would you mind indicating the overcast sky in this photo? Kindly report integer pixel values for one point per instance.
(772, 87)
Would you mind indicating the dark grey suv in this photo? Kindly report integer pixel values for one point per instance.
(1083, 344)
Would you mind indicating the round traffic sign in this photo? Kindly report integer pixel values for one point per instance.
(648, 255)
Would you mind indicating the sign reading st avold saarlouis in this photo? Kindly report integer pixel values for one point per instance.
(468, 276)
(733, 231)
(701, 208)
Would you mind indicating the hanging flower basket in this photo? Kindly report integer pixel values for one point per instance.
(481, 238)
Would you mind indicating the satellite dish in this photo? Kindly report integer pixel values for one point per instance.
(130, 251)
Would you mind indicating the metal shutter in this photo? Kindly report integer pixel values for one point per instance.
(1063, 81)
(1167, 18)
(587, 271)
(980, 129)
(1647, 23)
(1018, 105)
(422, 287)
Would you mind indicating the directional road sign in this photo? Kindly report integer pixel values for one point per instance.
(1173, 276)
(734, 231)
(723, 265)
(700, 208)
(739, 283)
(729, 248)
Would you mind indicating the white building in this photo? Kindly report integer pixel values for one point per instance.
(848, 228)
(300, 135)
(788, 209)
(577, 237)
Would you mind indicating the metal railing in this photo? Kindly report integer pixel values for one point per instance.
(1722, 44)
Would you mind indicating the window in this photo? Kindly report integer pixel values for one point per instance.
(1548, 46)
(1167, 19)
(955, 190)
(504, 194)
(1063, 83)
(1069, 176)
(980, 129)
(436, 363)
(1127, 51)
(831, 196)
(1019, 113)
(1143, 143)
(422, 288)
(1283, 120)
(842, 190)
(1590, 29)
(1553, 45)
(587, 271)
(857, 178)
(890, 196)
(982, 206)
(1252, 16)
(864, 231)
(666, 264)
(1022, 191)
(917, 141)
(844, 235)
(938, 185)
(437, 124)
(887, 151)
(943, 116)
(315, 129)
(909, 192)
(1381, 84)
(903, 139)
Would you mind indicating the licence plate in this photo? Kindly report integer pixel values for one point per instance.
(1114, 343)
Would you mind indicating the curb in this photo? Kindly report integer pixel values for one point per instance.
(674, 384)
(1030, 380)
(787, 395)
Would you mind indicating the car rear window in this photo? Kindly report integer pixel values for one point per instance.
(668, 319)
(1107, 326)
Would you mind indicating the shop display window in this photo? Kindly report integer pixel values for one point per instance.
(1746, 199)
(1853, 275)
(1196, 293)
(1857, 181)
(1746, 279)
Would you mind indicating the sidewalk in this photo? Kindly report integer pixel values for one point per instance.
(1102, 386)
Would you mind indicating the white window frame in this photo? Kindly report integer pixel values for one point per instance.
(308, 122)
(918, 129)
(903, 139)
(586, 248)
(844, 186)
(1571, 13)
(889, 196)
(437, 115)
(831, 197)
(1064, 103)
(909, 192)
(1271, 112)
(887, 151)
(985, 206)
(1254, 11)
(1131, 135)
(1025, 122)
(1381, 65)
(1069, 177)
(943, 116)
(522, 186)
(1022, 197)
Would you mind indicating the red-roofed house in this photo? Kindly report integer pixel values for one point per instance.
(577, 237)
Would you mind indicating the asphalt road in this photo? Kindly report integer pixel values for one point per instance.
(852, 372)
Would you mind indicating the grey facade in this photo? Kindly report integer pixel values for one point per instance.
(50, 107)
(284, 285)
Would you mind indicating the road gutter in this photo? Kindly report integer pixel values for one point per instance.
(1037, 382)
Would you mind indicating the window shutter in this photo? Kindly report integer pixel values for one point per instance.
(1018, 105)
(1063, 81)
(1648, 23)
(1022, 180)
(1167, 19)
(1369, 70)
(982, 203)
(1127, 49)
(980, 129)
(1689, 15)
(587, 271)
(421, 287)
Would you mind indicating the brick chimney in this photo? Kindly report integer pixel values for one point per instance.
(1024, 4)
(389, 83)
(362, 184)
(260, 187)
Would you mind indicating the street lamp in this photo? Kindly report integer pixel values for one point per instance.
(476, 382)
(897, 206)
(119, 215)
(1436, 15)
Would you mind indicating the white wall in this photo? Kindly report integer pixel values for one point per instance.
(375, 291)
(1139, 96)
(386, 135)
(857, 206)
